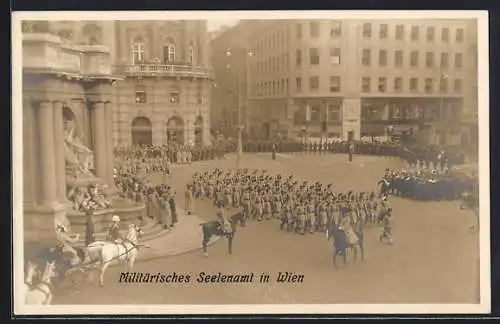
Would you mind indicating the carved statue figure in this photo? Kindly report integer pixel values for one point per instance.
(78, 156)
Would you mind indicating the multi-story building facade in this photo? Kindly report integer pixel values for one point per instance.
(164, 93)
(354, 78)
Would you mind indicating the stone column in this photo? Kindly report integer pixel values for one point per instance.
(60, 160)
(99, 133)
(30, 176)
(108, 106)
(47, 154)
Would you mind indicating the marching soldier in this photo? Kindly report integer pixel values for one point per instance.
(387, 231)
(310, 214)
(277, 206)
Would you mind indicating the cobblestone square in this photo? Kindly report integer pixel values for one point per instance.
(434, 258)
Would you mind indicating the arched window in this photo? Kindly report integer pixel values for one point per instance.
(191, 54)
(169, 51)
(138, 50)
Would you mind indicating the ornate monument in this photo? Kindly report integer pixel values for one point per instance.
(67, 126)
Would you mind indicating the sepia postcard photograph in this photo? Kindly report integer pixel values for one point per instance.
(259, 162)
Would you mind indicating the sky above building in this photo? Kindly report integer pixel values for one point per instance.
(213, 25)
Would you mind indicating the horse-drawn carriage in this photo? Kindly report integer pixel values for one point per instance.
(97, 256)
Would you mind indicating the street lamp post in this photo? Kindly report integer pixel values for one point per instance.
(239, 150)
(442, 77)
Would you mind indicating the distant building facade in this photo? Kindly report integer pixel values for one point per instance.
(230, 55)
(354, 78)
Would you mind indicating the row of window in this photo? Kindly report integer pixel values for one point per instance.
(399, 33)
(271, 65)
(332, 113)
(414, 59)
(282, 86)
(140, 53)
(173, 97)
(281, 37)
(429, 85)
(282, 62)
(335, 29)
(276, 40)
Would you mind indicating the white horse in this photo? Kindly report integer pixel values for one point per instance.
(108, 253)
(28, 277)
(41, 293)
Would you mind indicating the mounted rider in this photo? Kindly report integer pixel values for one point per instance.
(66, 240)
(114, 234)
(226, 225)
(345, 225)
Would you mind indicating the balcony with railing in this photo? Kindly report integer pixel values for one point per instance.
(180, 69)
(47, 54)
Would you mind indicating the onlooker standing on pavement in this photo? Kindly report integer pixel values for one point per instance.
(173, 210)
(157, 207)
(164, 211)
(188, 200)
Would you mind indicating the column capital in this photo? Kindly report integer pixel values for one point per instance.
(37, 103)
(79, 100)
(96, 104)
(98, 97)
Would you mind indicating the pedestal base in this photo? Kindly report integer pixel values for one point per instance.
(39, 222)
(129, 214)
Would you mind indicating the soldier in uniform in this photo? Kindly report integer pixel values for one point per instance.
(277, 206)
(258, 207)
(287, 216)
(226, 225)
(345, 225)
(266, 205)
(114, 230)
(188, 200)
(322, 216)
(387, 231)
(300, 218)
(246, 204)
(236, 196)
(310, 214)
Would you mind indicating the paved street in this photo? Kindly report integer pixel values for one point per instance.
(434, 258)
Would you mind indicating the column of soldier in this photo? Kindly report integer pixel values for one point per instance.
(153, 156)
(300, 206)
(427, 156)
(427, 184)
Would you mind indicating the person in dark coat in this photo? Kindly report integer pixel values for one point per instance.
(89, 228)
(173, 209)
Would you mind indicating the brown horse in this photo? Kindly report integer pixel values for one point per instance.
(216, 228)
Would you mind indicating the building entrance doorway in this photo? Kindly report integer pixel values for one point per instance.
(142, 131)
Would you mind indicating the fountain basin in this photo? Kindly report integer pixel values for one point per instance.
(129, 213)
